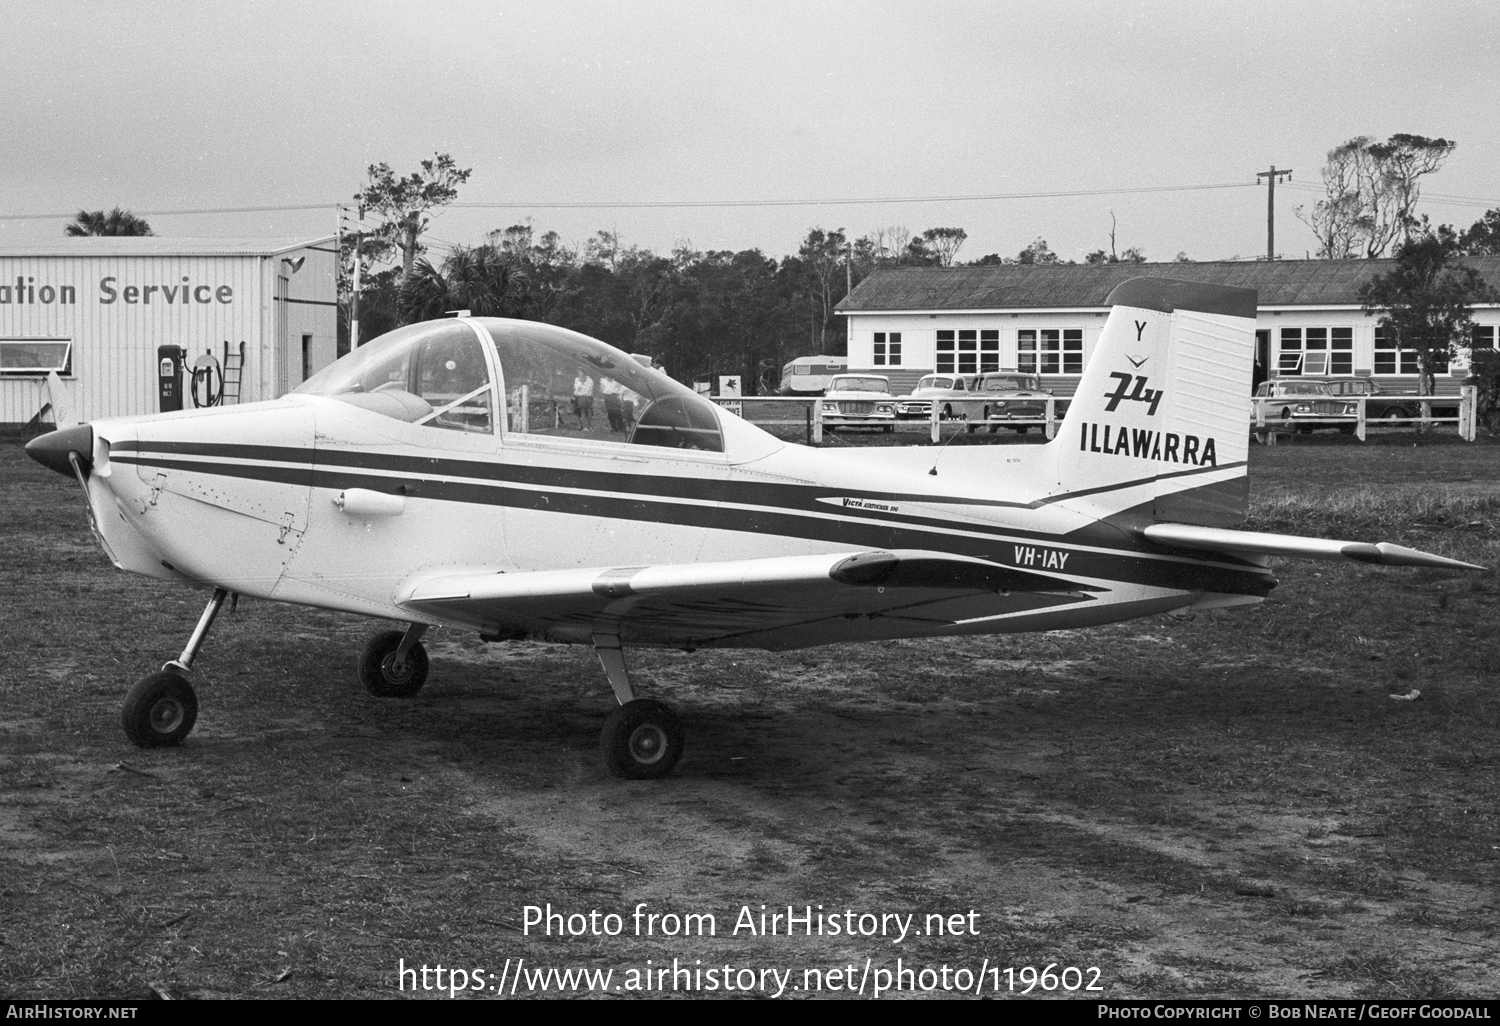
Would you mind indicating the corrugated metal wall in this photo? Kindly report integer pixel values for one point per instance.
(114, 341)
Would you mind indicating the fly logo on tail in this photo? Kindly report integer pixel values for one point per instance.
(1142, 394)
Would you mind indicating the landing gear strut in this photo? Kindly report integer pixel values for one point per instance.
(642, 739)
(162, 708)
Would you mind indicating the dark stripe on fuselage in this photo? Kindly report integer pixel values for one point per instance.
(715, 504)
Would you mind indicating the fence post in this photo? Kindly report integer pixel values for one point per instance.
(1359, 427)
(1468, 413)
(936, 430)
(817, 420)
(1051, 428)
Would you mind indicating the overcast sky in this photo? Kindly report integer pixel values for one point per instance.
(177, 105)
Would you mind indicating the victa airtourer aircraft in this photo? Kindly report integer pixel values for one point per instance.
(521, 480)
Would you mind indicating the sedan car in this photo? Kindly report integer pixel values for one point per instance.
(950, 391)
(1009, 396)
(1309, 405)
(858, 400)
(1383, 405)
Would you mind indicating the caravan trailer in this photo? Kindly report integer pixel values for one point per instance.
(809, 375)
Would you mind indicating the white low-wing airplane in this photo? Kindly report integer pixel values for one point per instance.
(522, 480)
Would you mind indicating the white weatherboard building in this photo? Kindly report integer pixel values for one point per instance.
(1046, 319)
(96, 309)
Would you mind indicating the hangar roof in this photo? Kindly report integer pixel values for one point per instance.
(161, 245)
(1069, 286)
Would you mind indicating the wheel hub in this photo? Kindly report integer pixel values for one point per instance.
(648, 744)
(166, 715)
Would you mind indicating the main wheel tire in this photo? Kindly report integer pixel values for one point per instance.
(159, 711)
(378, 671)
(1394, 414)
(641, 740)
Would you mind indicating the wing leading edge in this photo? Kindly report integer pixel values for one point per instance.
(780, 602)
(1218, 539)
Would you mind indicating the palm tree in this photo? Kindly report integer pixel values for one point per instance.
(482, 280)
(116, 222)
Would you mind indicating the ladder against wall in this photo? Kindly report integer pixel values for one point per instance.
(234, 370)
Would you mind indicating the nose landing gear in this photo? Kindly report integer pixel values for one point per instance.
(162, 708)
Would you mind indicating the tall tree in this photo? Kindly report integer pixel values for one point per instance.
(823, 254)
(1424, 302)
(1371, 191)
(1037, 253)
(405, 202)
(1482, 238)
(97, 222)
(944, 243)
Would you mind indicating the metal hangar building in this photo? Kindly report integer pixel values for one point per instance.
(97, 310)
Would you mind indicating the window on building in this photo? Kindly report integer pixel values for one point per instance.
(1483, 337)
(946, 352)
(1049, 351)
(1316, 351)
(1391, 359)
(36, 356)
(989, 351)
(888, 349)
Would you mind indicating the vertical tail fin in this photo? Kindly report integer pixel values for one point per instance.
(1159, 425)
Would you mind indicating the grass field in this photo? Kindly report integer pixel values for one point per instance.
(1228, 805)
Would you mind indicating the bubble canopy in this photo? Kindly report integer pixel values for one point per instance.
(535, 379)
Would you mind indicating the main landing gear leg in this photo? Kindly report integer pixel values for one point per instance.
(393, 664)
(162, 708)
(642, 738)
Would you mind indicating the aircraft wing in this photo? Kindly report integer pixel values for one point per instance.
(779, 602)
(1217, 539)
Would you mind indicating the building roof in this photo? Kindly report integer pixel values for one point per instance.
(1069, 286)
(161, 245)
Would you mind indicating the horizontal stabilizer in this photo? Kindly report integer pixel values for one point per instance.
(1215, 539)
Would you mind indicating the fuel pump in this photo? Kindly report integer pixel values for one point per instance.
(169, 361)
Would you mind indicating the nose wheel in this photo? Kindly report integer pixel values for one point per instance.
(162, 708)
(159, 711)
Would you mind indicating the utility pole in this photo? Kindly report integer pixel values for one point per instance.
(1270, 177)
(359, 238)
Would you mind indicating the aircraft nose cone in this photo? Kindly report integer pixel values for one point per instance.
(51, 450)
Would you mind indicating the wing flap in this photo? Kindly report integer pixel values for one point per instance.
(1218, 539)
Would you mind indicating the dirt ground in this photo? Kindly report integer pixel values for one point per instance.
(1231, 805)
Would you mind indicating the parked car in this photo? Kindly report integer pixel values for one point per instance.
(1010, 396)
(1298, 400)
(858, 400)
(950, 391)
(1384, 405)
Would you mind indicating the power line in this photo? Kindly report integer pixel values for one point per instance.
(1446, 199)
(868, 201)
(167, 213)
(700, 204)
